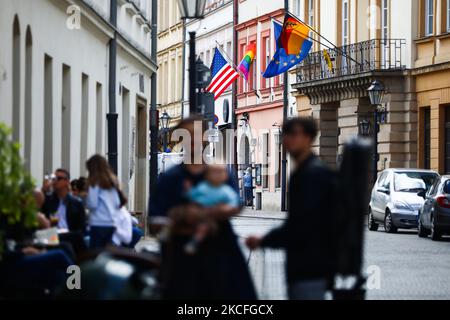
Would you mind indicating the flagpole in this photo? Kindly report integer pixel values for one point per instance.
(334, 46)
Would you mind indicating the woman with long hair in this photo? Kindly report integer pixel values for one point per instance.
(104, 201)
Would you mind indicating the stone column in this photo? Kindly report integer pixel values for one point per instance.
(326, 144)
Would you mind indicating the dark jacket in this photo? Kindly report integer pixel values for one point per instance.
(307, 234)
(76, 213)
(219, 270)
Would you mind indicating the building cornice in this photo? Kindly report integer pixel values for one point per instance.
(445, 66)
(192, 21)
(263, 18)
(207, 34)
(136, 53)
(95, 18)
(108, 30)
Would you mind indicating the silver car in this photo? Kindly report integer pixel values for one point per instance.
(395, 201)
(434, 217)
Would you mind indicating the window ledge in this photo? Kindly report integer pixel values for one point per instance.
(425, 39)
(444, 35)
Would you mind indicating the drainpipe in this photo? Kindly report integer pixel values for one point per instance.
(153, 104)
(285, 115)
(112, 115)
(183, 81)
(234, 94)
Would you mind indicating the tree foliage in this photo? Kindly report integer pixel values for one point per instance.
(17, 204)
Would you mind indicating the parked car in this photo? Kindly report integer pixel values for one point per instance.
(395, 202)
(434, 217)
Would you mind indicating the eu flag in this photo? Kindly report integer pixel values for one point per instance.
(291, 37)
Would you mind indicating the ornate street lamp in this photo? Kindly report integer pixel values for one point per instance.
(364, 128)
(376, 95)
(192, 9)
(165, 121)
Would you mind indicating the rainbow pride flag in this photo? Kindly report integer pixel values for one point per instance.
(245, 64)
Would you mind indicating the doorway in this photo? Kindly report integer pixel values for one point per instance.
(141, 157)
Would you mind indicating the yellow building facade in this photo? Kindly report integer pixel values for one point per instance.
(404, 44)
(432, 75)
(170, 59)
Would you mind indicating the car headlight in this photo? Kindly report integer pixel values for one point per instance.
(401, 206)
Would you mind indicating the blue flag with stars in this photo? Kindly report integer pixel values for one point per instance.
(281, 61)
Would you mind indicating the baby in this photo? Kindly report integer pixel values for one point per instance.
(210, 193)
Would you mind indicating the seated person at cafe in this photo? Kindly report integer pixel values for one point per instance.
(66, 212)
(61, 207)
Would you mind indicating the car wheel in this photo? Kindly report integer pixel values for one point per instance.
(389, 226)
(435, 234)
(422, 232)
(373, 226)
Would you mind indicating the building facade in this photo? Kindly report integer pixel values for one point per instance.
(54, 85)
(410, 56)
(260, 104)
(170, 59)
(214, 31)
(372, 44)
(432, 75)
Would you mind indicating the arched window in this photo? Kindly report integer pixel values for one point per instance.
(16, 79)
(28, 95)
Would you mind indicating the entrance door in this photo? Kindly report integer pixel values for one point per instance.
(447, 140)
(141, 157)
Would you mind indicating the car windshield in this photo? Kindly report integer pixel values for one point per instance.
(413, 181)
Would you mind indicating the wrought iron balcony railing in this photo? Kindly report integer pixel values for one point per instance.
(353, 59)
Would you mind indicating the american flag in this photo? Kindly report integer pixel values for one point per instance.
(223, 75)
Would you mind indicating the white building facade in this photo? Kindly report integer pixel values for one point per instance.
(214, 31)
(54, 85)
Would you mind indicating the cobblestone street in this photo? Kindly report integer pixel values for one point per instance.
(411, 268)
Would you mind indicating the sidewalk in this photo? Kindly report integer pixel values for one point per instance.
(250, 213)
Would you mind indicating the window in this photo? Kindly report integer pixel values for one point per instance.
(84, 122)
(242, 82)
(16, 79)
(448, 15)
(229, 53)
(311, 16)
(100, 119)
(278, 162)
(345, 22)
(385, 19)
(382, 178)
(208, 57)
(427, 139)
(66, 105)
(267, 58)
(429, 17)
(266, 160)
(254, 75)
(297, 8)
(126, 138)
(173, 87)
(48, 114)
(447, 140)
(28, 96)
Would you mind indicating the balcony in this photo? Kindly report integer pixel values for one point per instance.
(353, 59)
